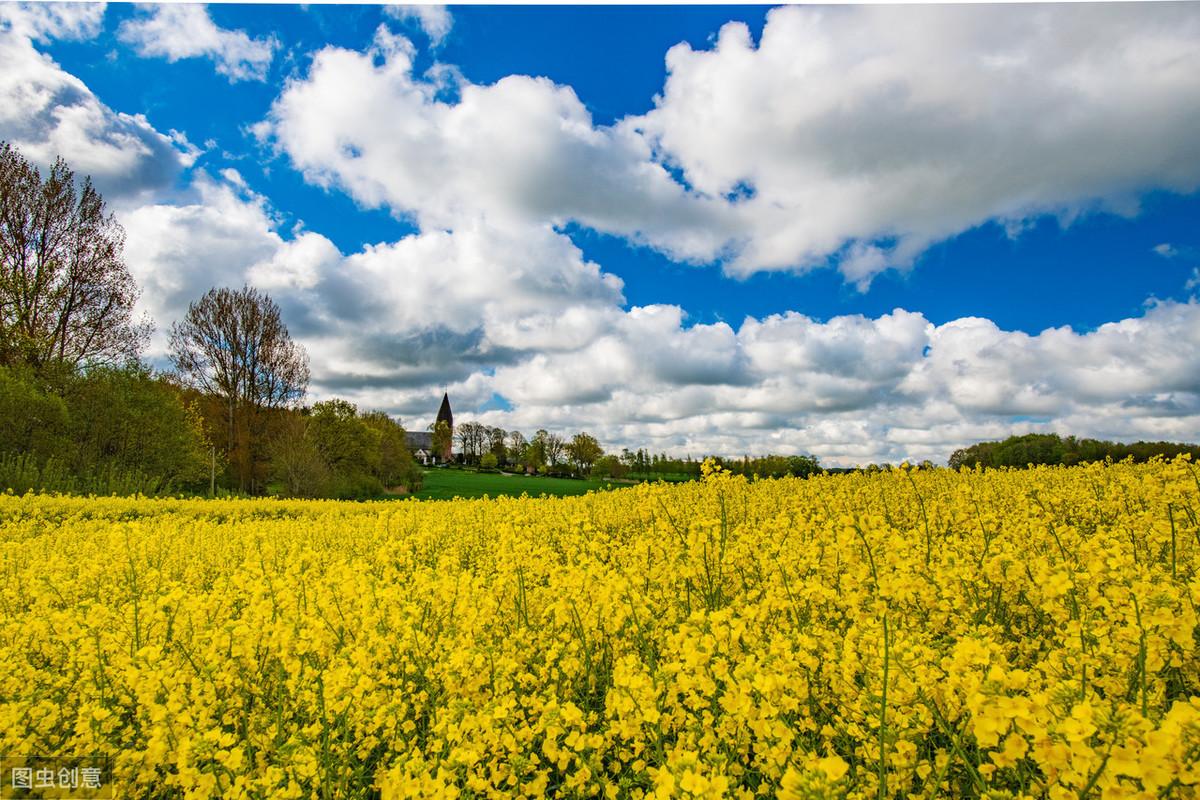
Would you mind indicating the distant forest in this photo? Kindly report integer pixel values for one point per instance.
(1050, 448)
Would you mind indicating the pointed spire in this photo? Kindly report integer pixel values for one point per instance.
(444, 413)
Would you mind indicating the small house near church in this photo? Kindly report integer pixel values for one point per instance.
(421, 442)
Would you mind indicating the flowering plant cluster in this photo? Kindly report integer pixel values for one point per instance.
(923, 633)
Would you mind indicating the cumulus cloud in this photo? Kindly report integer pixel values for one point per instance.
(434, 20)
(875, 125)
(46, 112)
(522, 151)
(868, 125)
(853, 389)
(851, 135)
(178, 31)
(44, 21)
(429, 307)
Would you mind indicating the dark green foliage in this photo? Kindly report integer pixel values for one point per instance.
(654, 467)
(22, 473)
(33, 420)
(609, 467)
(127, 420)
(107, 430)
(392, 462)
(333, 451)
(1050, 448)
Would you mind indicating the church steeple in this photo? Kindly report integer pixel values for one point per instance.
(444, 413)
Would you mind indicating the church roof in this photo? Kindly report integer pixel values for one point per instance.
(419, 440)
(444, 412)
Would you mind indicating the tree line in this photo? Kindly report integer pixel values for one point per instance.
(80, 410)
(1052, 449)
(582, 455)
(489, 447)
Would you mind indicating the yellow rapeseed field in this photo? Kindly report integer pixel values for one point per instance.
(904, 634)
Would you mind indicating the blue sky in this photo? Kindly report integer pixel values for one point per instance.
(800, 233)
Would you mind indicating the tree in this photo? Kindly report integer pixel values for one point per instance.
(583, 450)
(472, 440)
(516, 446)
(555, 449)
(233, 346)
(535, 451)
(393, 464)
(441, 440)
(33, 421)
(66, 294)
(344, 442)
(609, 467)
(296, 463)
(496, 446)
(129, 420)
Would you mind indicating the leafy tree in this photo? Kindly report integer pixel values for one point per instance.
(66, 294)
(496, 444)
(129, 420)
(610, 467)
(583, 450)
(296, 462)
(535, 451)
(555, 449)
(489, 461)
(441, 440)
(516, 447)
(343, 440)
(33, 420)
(1050, 448)
(394, 464)
(232, 346)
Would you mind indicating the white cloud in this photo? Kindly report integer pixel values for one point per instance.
(520, 152)
(178, 31)
(906, 125)
(849, 135)
(427, 307)
(434, 20)
(1166, 250)
(853, 389)
(46, 112)
(44, 21)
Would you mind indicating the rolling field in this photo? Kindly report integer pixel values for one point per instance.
(925, 634)
(446, 484)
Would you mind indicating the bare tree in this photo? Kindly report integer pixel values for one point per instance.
(233, 345)
(516, 445)
(66, 294)
(465, 434)
(473, 440)
(495, 444)
(555, 449)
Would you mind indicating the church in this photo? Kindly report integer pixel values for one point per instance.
(421, 442)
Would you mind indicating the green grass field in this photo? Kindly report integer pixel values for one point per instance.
(446, 484)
